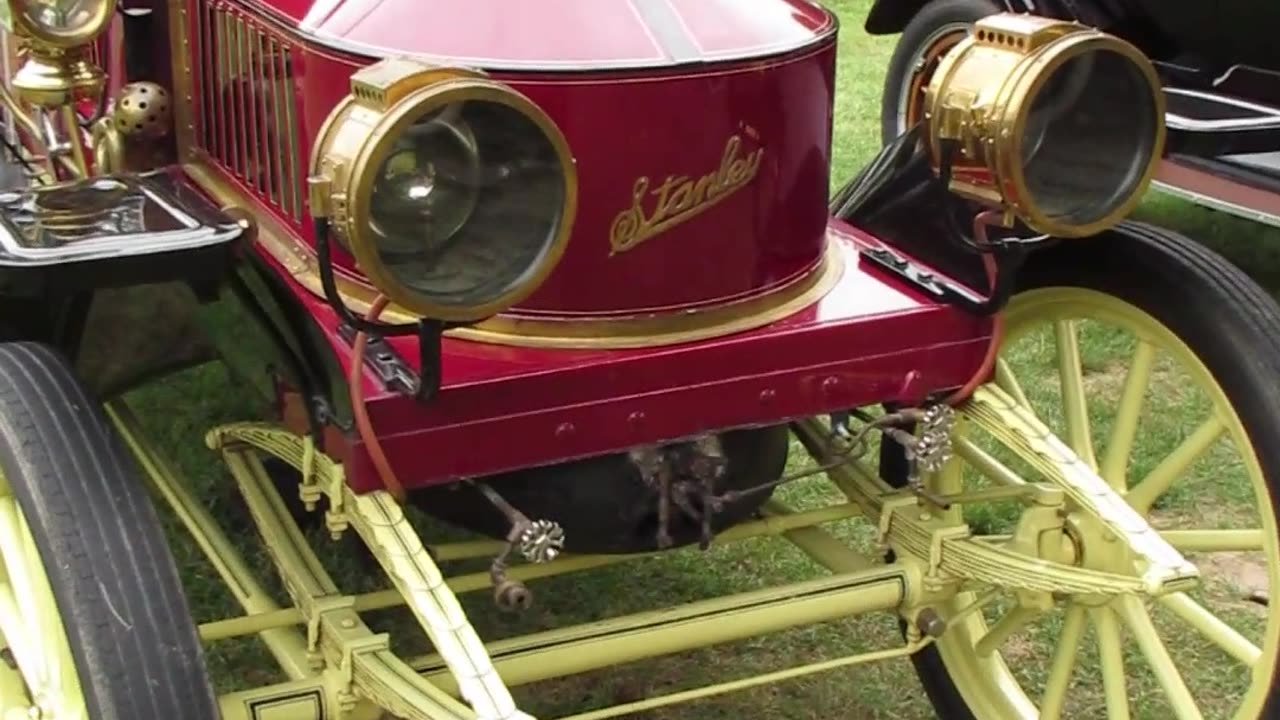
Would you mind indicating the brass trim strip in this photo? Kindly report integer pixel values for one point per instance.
(669, 328)
(615, 333)
(180, 49)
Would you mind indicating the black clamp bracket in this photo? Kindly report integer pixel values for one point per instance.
(395, 373)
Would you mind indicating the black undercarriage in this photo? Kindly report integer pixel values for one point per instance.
(617, 503)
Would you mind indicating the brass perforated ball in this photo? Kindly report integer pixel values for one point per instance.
(143, 109)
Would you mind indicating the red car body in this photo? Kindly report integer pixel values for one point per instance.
(705, 286)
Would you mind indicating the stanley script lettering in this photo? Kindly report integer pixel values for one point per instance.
(680, 198)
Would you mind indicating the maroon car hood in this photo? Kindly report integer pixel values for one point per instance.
(560, 34)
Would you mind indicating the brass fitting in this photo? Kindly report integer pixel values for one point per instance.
(143, 110)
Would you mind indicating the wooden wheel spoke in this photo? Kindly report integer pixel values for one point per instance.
(1158, 658)
(14, 548)
(1075, 409)
(985, 463)
(1111, 658)
(22, 642)
(1212, 628)
(1011, 623)
(1063, 664)
(1008, 382)
(1164, 475)
(1208, 541)
(23, 616)
(1115, 459)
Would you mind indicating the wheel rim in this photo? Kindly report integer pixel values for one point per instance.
(920, 70)
(1121, 637)
(38, 663)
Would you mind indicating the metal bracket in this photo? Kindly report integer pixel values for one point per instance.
(391, 369)
(923, 278)
(325, 414)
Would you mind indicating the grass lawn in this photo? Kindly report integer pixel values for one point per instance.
(888, 690)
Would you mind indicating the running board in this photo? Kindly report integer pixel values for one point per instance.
(1221, 186)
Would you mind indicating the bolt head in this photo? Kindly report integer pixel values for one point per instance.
(931, 623)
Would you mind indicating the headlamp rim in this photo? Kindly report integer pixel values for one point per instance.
(357, 190)
(1022, 95)
(103, 12)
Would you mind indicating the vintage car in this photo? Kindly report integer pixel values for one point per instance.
(1218, 63)
(569, 278)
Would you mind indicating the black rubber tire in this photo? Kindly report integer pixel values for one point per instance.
(1230, 323)
(136, 651)
(934, 15)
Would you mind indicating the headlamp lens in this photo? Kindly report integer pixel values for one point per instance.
(426, 188)
(466, 202)
(1089, 137)
(61, 18)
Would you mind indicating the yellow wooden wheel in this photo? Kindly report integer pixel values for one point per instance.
(39, 676)
(1157, 362)
(93, 621)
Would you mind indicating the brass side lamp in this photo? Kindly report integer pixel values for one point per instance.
(1054, 123)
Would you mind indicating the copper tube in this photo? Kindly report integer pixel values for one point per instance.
(980, 223)
(361, 413)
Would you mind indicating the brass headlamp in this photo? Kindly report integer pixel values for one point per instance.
(454, 193)
(1057, 124)
(57, 32)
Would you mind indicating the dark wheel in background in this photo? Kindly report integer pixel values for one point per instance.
(938, 26)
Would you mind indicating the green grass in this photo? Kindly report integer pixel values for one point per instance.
(888, 690)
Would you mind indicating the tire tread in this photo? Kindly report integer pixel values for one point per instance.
(126, 616)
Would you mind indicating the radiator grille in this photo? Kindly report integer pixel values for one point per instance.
(97, 52)
(246, 112)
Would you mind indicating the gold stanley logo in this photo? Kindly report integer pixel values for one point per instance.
(680, 198)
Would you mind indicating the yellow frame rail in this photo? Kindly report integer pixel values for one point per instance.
(338, 668)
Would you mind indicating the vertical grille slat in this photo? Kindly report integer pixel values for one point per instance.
(246, 106)
(200, 67)
(226, 91)
(262, 88)
(291, 136)
(241, 97)
(98, 52)
(217, 113)
(257, 158)
(283, 179)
